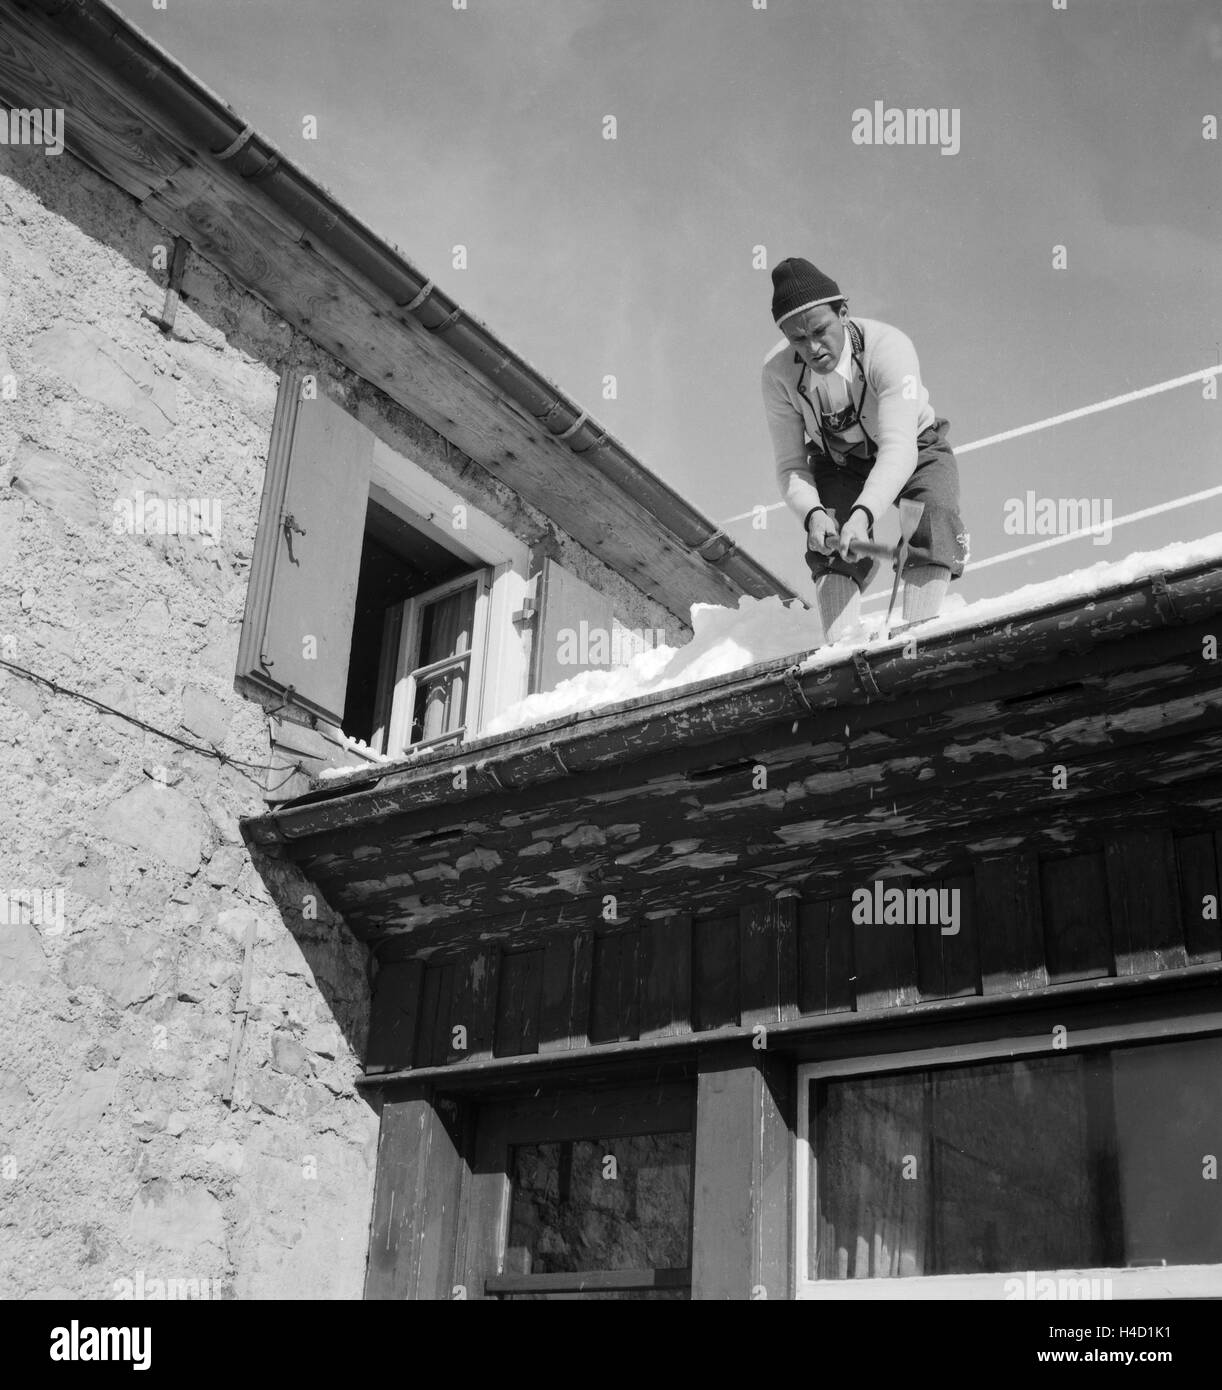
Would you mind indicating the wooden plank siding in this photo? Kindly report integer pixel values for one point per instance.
(1141, 903)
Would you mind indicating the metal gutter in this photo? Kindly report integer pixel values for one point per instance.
(759, 696)
(221, 134)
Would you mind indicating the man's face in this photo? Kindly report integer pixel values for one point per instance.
(818, 335)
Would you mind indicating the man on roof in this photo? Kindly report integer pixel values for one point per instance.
(853, 432)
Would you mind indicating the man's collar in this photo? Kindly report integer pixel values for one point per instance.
(844, 367)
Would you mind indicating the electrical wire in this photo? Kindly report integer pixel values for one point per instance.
(202, 749)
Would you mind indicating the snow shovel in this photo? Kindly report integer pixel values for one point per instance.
(910, 518)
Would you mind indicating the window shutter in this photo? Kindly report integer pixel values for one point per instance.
(563, 647)
(297, 631)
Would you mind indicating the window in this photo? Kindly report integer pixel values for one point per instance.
(583, 1197)
(382, 607)
(434, 700)
(944, 1178)
(617, 1205)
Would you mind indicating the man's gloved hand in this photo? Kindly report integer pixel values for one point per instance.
(856, 528)
(821, 532)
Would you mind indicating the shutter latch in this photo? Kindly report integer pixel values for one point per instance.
(290, 526)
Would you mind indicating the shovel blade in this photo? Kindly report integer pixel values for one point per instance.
(910, 518)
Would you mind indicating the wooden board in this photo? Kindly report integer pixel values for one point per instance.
(1010, 924)
(394, 1016)
(38, 69)
(615, 988)
(666, 976)
(715, 944)
(566, 603)
(1198, 857)
(740, 1210)
(948, 966)
(1146, 930)
(884, 956)
(415, 1209)
(1077, 917)
(825, 956)
(518, 1003)
(474, 1007)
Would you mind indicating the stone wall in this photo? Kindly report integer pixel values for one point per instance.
(126, 893)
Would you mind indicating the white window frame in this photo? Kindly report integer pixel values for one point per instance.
(500, 650)
(1165, 1281)
(403, 699)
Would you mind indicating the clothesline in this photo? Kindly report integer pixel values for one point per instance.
(1203, 375)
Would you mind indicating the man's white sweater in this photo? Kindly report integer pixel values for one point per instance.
(894, 410)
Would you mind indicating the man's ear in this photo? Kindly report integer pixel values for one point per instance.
(844, 312)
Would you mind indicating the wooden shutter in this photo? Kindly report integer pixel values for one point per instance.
(304, 586)
(565, 603)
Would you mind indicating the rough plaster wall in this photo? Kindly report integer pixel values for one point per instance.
(117, 1155)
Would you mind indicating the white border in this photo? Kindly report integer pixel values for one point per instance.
(1167, 1281)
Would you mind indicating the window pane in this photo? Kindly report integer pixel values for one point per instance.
(573, 1208)
(440, 704)
(1017, 1179)
(1088, 1160)
(1168, 1119)
(445, 626)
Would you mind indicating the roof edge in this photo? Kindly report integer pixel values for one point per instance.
(755, 697)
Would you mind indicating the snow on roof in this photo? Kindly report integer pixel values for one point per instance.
(726, 640)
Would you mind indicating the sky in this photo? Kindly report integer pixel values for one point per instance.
(639, 257)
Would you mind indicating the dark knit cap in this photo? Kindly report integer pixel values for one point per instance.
(796, 284)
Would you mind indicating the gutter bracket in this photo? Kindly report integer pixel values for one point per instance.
(555, 752)
(708, 548)
(603, 438)
(865, 675)
(566, 435)
(487, 769)
(1163, 602)
(448, 322)
(548, 413)
(794, 686)
(243, 139)
(413, 304)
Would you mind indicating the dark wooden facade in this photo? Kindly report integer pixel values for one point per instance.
(1129, 909)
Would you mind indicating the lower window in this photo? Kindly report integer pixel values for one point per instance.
(588, 1198)
(967, 1175)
